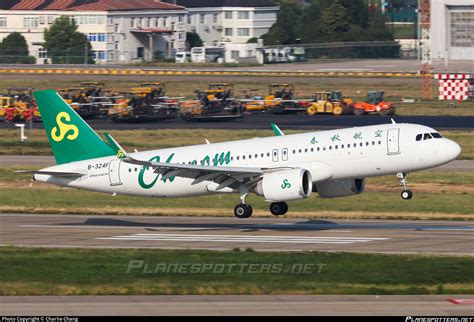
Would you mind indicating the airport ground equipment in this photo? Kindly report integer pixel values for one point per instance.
(329, 102)
(374, 104)
(213, 104)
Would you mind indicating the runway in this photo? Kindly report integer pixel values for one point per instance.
(262, 121)
(392, 305)
(260, 234)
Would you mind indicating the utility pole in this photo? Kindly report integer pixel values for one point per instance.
(85, 53)
(425, 46)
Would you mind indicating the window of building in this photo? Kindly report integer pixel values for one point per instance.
(234, 54)
(30, 22)
(98, 54)
(93, 20)
(243, 15)
(228, 31)
(3, 22)
(181, 18)
(202, 18)
(228, 15)
(101, 37)
(110, 37)
(42, 53)
(462, 28)
(165, 22)
(214, 18)
(132, 22)
(243, 32)
(182, 36)
(110, 55)
(42, 20)
(110, 21)
(189, 20)
(92, 37)
(50, 19)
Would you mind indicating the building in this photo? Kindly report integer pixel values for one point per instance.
(234, 21)
(452, 29)
(119, 31)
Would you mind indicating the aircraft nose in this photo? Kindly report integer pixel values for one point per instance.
(453, 150)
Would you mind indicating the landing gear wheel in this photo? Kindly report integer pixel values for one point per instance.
(359, 111)
(243, 211)
(279, 208)
(407, 194)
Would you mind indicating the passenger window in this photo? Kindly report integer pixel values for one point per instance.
(250, 156)
(419, 136)
(268, 154)
(318, 149)
(427, 136)
(243, 157)
(312, 149)
(330, 147)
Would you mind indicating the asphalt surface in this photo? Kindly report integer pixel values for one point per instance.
(328, 65)
(227, 233)
(362, 305)
(295, 122)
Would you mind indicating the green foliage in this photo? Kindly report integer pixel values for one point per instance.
(193, 40)
(36, 271)
(252, 40)
(331, 21)
(14, 50)
(65, 44)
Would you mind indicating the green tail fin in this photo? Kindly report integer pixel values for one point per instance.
(70, 137)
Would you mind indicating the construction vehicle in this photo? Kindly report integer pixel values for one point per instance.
(78, 99)
(214, 104)
(142, 104)
(374, 104)
(18, 104)
(331, 102)
(280, 100)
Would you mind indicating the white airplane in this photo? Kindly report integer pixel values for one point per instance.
(281, 168)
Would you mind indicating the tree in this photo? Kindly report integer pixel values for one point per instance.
(65, 44)
(14, 50)
(193, 40)
(378, 29)
(284, 31)
(334, 21)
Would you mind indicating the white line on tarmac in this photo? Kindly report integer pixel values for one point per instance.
(243, 239)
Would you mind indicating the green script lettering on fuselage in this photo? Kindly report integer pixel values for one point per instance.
(219, 159)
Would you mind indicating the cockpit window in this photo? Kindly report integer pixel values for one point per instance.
(427, 136)
(436, 135)
(419, 136)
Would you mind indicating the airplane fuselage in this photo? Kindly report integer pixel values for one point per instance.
(328, 155)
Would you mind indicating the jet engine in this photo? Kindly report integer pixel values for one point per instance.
(339, 188)
(285, 185)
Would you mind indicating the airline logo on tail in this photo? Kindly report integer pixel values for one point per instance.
(58, 133)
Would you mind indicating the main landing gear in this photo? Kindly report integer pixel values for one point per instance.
(279, 208)
(406, 194)
(244, 210)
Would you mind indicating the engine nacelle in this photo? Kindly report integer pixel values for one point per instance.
(339, 188)
(285, 185)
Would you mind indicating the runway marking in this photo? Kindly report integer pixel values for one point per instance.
(461, 301)
(82, 226)
(243, 238)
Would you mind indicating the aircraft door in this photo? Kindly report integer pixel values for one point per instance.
(393, 141)
(114, 172)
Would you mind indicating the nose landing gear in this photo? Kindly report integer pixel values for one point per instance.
(406, 193)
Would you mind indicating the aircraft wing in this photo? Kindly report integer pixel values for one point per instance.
(225, 176)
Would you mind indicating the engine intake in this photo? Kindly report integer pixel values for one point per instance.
(339, 188)
(285, 185)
